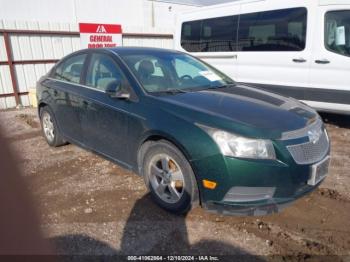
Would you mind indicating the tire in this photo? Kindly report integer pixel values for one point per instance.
(174, 189)
(48, 123)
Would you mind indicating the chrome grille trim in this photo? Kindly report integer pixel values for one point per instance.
(310, 152)
(318, 124)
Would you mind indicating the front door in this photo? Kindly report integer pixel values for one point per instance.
(104, 119)
(330, 65)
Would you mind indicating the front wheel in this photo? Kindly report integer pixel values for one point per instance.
(169, 177)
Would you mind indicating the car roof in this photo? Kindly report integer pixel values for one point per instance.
(140, 50)
(131, 50)
(121, 51)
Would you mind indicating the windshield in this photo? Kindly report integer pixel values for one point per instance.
(174, 72)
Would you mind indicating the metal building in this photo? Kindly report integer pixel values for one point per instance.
(35, 34)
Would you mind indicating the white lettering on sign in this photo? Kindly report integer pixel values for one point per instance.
(101, 29)
(100, 35)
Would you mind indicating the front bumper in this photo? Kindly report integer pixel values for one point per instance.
(260, 186)
(255, 186)
(259, 208)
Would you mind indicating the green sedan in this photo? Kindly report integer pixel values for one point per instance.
(192, 133)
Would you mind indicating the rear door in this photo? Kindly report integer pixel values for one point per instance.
(104, 119)
(273, 47)
(330, 65)
(64, 85)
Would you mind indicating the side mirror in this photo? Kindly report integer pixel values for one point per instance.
(115, 90)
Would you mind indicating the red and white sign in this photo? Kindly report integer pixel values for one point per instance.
(100, 35)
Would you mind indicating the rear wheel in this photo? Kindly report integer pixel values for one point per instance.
(169, 177)
(49, 128)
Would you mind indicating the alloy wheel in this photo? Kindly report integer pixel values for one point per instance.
(48, 126)
(166, 178)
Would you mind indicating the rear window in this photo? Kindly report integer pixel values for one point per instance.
(70, 69)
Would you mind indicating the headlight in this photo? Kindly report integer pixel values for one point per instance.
(238, 146)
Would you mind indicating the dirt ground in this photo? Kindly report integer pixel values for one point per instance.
(91, 206)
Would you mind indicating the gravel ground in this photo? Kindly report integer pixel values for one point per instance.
(91, 206)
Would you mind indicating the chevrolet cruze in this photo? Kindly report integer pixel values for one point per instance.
(192, 133)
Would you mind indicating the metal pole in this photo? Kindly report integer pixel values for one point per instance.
(12, 67)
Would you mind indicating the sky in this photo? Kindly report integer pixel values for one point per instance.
(197, 2)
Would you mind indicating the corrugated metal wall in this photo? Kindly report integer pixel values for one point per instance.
(39, 47)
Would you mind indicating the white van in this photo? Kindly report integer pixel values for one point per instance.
(296, 48)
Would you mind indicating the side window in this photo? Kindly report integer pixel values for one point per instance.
(219, 34)
(279, 30)
(190, 36)
(70, 70)
(210, 35)
(103, 72)
(337, 32)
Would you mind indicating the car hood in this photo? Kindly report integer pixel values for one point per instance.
(242, 109)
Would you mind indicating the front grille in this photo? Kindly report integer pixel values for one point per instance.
(310, 152)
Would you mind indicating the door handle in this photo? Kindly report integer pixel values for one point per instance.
(299, 60)
(55, 92)
(322, 62)
(85, 103)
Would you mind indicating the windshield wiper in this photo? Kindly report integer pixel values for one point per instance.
(172, 91)
(218, 87)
